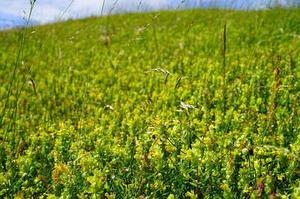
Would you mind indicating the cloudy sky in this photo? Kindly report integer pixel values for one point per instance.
(51, 10)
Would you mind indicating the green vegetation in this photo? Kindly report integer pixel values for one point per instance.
(160, 105)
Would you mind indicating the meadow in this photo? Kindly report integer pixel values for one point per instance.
(170, 104)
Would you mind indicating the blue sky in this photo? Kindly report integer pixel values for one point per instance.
(51, 10)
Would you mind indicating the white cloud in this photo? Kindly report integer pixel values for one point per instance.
(50, 10)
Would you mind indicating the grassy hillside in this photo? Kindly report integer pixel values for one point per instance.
(153, 105)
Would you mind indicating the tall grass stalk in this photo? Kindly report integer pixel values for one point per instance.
(274, 93)
(224, 52)
(16, 66)
(66, 9)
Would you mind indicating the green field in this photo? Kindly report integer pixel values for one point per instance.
(171, 104)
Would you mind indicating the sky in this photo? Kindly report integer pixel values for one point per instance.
(46, 11)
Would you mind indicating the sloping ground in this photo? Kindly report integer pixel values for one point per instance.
(143, 105)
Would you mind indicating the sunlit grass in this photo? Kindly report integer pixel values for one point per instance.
(133, 105)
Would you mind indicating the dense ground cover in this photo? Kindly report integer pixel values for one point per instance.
(151, 105)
